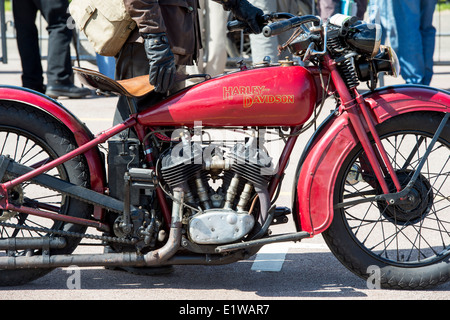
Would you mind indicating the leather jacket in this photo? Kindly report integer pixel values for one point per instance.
(177, 18)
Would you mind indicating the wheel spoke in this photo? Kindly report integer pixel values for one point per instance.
(411, 232)
(28, 150)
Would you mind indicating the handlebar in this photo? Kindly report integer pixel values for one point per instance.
(279, 27)
(288, 21)
(236, 25)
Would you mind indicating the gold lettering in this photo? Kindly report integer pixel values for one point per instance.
(254, 95)
(227, 94)
(248, 101)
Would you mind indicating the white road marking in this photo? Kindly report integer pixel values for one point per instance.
(271, 257)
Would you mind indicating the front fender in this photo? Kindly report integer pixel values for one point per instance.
(328, 148)
(81, 133)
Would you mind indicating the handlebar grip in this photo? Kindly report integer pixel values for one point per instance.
(277, 28)
(236, 25)
(281, 26)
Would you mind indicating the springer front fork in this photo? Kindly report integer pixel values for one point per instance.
(358, 115)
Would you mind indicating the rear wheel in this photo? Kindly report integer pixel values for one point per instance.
(33, 138)
(406, 246)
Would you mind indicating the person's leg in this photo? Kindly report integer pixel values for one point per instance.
(59, 64)
(428, 32)
(130, 62)
(410, 51)
(199, 66)
(213, 57)
(216, 23)
(59, 71)
(24, 12)
(260, 45)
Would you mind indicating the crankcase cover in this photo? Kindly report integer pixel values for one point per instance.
(219, 226)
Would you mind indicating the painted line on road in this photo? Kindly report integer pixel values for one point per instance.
(272, 256)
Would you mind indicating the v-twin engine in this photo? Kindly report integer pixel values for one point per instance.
(225, 190)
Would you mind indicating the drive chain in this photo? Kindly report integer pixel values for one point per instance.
(68, 233)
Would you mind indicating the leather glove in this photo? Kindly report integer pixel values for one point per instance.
(162, 68)
(246, 12)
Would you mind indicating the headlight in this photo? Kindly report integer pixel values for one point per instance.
(393, 61)
(365, 38)
(385, 61)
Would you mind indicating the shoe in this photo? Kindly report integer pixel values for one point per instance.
(67, 90)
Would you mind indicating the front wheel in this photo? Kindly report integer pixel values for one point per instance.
(403, 246)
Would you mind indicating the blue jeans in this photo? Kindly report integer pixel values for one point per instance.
(416, 39)
(408, 26)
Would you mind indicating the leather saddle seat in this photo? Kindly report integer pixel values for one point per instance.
(135, 87)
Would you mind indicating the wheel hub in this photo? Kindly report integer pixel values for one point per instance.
(416, 204)
(15, 196)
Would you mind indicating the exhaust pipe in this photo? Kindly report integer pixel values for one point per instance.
(157, 257)
(153, 258)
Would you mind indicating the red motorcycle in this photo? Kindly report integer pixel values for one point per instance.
(373, 178)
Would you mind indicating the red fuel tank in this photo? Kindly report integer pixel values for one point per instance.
(271, 96)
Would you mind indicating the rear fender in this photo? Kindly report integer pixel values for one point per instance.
(81, 133)
(331, 144)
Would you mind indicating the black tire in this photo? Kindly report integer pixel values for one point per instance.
(405, 246)
(30, 136)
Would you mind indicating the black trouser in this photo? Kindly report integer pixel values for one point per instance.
(55, 12)
(132, 62)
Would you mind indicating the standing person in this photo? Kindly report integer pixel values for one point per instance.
(59, 71)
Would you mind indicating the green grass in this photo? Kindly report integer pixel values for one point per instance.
(8, 5)
(443, 5)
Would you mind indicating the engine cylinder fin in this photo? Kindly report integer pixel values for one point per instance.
(252, 173)
(180, 173)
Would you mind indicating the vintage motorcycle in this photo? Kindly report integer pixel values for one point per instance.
(373, 178)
